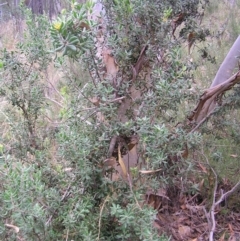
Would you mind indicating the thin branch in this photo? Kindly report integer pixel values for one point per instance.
(117, 99)
(130, 185)
(54, 101)
(216, 203)
(84, 119)
(227, 194)
(100, 218)
(52, 121)
(212, 209)
(207, 101)
(94, 82)
(211, 214)
(67, 234)
(86, 109)
(202, 121)
(207, 217)
(53, 87)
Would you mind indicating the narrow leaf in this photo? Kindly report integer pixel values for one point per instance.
(149, 171)
(121, 162)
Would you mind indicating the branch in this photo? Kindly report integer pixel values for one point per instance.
(222, 82)
(212, 209)
(84, 119)
(202, 121)
(216, 203)
(100, 218)
(111, 146)
(54, 101)
(227, 194)
(131, 189)
(208, 100)
(141, 60)
(117, 99)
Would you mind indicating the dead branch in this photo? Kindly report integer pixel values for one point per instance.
(131, 189)
(212, 209)
(224, 196)
(117, 99)
(211, 214)
(100, 217)
(216, 203)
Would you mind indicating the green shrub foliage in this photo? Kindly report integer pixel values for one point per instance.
(71, 195)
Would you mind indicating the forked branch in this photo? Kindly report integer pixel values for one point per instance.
(209, 99)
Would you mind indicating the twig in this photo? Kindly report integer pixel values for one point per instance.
(212, 209)
(84, 119)
(117, 99)
(227, 194)
(211, 221)
(130, 185)
(138, 66)
(100, 218)
(53, 87)
(67, 235)
(215, 202)
(202, 121)
(52, 121)
(19, 238)
(207, 216)
(94, 82)
(54, 101)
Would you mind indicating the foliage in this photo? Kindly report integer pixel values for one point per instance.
(71, 33)
(128, 29)
(22, 71)
(41, 199)
(71, 194)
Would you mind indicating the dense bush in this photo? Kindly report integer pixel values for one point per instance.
(71, 194)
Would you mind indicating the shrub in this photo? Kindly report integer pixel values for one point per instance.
(135, 92)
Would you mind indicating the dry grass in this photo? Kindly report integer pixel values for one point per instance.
(11, 32)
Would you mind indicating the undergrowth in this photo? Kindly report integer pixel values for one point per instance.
(60, 179)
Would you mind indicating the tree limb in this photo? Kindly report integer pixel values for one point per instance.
(208, 100)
